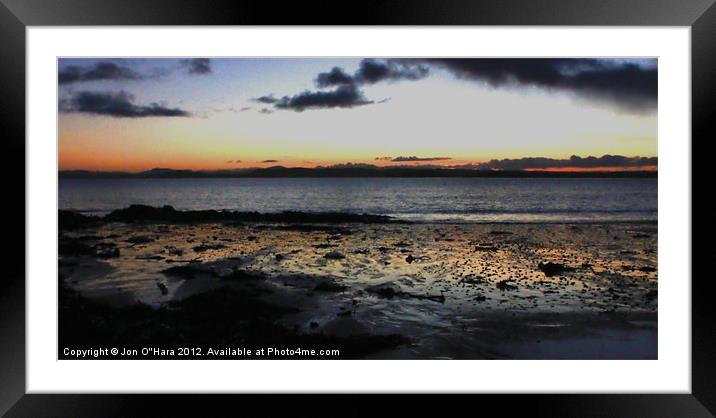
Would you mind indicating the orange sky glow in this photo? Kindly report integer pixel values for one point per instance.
(138, 114)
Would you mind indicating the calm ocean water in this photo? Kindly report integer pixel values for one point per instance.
(418, 199)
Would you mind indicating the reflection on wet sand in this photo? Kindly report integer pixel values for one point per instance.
(450, 290)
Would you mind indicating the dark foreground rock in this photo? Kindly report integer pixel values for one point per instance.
(222, 318)
(329, 286)
(68, 220)
(72, 247)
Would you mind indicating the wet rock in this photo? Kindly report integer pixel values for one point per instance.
(384, 291)
(472, 279)
(410, 259)
(486, 248)
(479, 298)
(185, 272)
(192, 260)
(435, 298)
(106, 250)
(141, 239)
(552, 269)
(224, 317)
(162, 288)
(174, 251)
(329, 286)
(68, 220)
(167, 214)
(205, 247)
(150, 257)
(334, 255)
(240, 274)
(505, 285)
(73, 247)
(388, 291)
(323, 246)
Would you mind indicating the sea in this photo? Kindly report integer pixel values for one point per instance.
(453, 200)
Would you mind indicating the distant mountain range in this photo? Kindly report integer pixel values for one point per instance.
(345, 171)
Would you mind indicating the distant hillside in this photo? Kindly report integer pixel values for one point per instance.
(344, 171)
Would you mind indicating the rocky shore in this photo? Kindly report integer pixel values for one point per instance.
(366, 285)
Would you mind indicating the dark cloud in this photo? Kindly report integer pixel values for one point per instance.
(268, 99)
(347, 93)
(269, 161)
(335, 77)
(573, 161)
(99, 71)
(197, 65)
(372, 71)
(345, 96)
(266, 111)
(627, 84)
(414, 158)
(120, 105)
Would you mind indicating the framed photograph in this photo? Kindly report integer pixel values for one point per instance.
(413, 198)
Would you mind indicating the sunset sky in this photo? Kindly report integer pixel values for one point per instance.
(225, 113)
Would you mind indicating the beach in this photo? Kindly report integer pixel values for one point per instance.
(372, 286)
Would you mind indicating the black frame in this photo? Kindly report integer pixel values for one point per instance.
(15, 15)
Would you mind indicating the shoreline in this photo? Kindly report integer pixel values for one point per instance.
(138, 213)
(377, 289)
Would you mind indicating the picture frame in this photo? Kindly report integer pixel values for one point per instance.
(17, 15)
